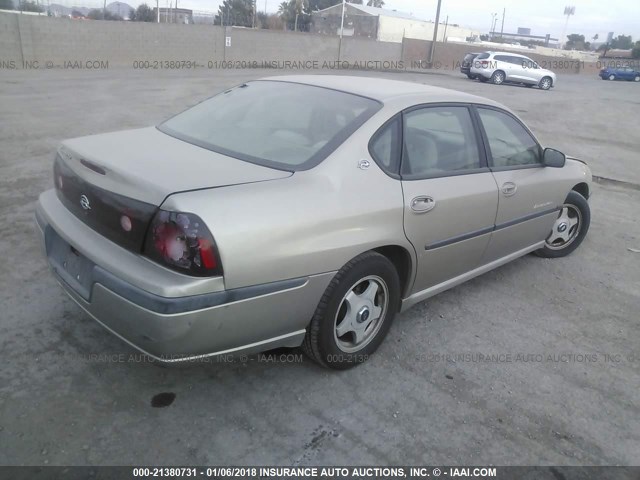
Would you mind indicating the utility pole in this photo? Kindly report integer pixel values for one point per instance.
(432, 49)
(158, 7)
(344, 2)
(568, 11)
(504, 10)
(493, 25)
(446, 24)
(104, 10)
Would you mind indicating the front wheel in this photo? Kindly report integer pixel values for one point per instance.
(636, 78)
(612, 77)
(569, 229)
(355, 312)
(545, 83)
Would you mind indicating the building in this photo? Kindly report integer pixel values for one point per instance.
(381, 24)
(523, 37)
(174, 15)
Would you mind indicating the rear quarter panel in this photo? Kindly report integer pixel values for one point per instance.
(312, 222)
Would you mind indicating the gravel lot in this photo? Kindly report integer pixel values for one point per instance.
(570, 398)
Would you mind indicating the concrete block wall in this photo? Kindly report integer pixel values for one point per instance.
(58, 40)
(249, 45)
(32, 38)
(10, 47)
(365, 52)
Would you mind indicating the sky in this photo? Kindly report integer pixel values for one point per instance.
(542, 16)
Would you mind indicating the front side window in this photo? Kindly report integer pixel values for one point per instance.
(510, 143)
(277, 124)
(437, 141)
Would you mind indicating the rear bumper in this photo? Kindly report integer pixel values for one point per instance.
(171, 329)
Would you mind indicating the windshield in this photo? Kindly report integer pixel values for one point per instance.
(283, 125)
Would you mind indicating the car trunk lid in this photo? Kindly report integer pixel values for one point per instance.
(115, 182)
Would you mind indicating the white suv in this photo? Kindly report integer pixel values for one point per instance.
(500, 67)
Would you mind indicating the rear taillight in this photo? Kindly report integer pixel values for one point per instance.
(182, 242)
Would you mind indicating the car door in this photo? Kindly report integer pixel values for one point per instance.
(503, 63)
(529, 194)
(519, 66)
(530, 70)
(450, 196)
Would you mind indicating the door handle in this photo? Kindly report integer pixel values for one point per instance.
(509, 188)
(423, 204)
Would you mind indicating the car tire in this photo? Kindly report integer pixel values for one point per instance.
(367, 284)
(611, 77)
(545, 83)
(636, 78)
(498, 77)
(566, 235)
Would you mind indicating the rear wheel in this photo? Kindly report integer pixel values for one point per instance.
(355, 312)
(569, 229)
(545, 83)
(498, 77)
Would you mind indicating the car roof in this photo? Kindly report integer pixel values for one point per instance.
(383, 89)
(513, 54)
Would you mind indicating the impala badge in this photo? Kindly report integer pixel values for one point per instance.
(84, 202)
(364, 164)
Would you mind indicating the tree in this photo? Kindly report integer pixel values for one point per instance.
(635, 53)
(235, 12)
(100, 14)
(30, 6)
(143, 13)
(575, 42)
(6, 5)
(375, 3)
(295, 14)
(623, 42)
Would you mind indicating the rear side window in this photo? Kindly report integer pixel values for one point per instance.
(385, 145)
(510, 143)
(437, 141)
(282, 125)
(482, 56)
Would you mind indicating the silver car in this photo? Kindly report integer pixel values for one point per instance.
(501, 67)
(301, 211)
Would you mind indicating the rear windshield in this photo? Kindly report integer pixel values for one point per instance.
(283, 125)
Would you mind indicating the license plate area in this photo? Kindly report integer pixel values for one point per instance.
(69, 264)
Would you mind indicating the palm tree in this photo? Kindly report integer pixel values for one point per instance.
(375, 3)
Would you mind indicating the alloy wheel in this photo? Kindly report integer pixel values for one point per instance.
(566, 228)
(361, 314)
(545, 84)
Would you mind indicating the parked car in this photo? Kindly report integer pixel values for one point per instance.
(465, 65)
(301, 210)
(501, 67)
(622, 73)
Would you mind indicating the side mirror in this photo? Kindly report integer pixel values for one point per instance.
(553, 158)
